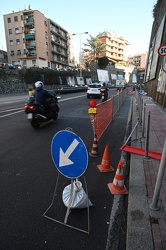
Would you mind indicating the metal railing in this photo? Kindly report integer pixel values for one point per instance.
(144, 120)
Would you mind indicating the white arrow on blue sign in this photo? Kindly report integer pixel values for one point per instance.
(69, 154)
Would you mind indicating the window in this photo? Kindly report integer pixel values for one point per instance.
(19, 52)
(33, 62)
(10, 31)
(12, 52)
(16, 18)
(17, 41)
(24, 62)
(9, 20)
(21, 17)
(16, 30)
(11, 42)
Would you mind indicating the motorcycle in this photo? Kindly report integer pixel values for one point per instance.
(104, 95)
(37, 113)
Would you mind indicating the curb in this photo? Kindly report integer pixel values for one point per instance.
(138, 221)
(112, 241)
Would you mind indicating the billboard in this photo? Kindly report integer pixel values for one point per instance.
(161, 86)
(113, 77)
(152, 58)
(102, 75)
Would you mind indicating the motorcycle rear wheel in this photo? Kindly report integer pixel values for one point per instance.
(35, 124)
(55, 116)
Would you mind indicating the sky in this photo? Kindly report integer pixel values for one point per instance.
(130, 19)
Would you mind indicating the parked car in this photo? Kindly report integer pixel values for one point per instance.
(94, 90)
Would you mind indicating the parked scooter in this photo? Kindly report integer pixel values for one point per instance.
(37, 114)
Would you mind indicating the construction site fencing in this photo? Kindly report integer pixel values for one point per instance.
(105, 113)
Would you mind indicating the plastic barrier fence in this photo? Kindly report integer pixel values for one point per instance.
(105, 113)
(102, 119)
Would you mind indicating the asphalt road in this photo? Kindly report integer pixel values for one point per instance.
(28, 177)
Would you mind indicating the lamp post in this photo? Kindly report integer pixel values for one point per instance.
(80, 50)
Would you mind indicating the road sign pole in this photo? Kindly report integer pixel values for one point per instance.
(71, 159)
(70, 201)
(160, 176)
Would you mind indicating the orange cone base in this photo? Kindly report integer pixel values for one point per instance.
(104, 169)
(123, 190)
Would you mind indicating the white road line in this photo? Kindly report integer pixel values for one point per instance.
(66, 99)
(11, 114)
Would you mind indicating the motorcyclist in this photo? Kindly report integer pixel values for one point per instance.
(105, 89)
(41, 95)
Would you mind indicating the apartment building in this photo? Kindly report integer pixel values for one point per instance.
(138, 60)
(116, 47)
(34, 40)
(3, 58)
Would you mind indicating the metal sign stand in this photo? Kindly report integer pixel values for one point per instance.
(69, 208)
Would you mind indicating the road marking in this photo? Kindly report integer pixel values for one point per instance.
(11, 113)
(66, 99)
(9, 110)
(74, 97)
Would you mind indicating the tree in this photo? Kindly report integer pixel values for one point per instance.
(96, 46)
(103, 62)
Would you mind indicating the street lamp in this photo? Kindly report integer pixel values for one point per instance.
(80, 50)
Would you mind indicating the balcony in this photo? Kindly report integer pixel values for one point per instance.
(32, 54)
(28, 23)
(30, 46)
(30, 37)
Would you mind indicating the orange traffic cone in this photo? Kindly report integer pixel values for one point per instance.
(105, 164)
(94, 151)
(118, 187)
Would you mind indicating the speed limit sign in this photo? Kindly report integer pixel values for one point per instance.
(162, 50)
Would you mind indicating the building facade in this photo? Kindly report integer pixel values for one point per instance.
(116, 46)
(155, 71)
(116, 49)
(34, 40)
(138, 60)
(3, 58)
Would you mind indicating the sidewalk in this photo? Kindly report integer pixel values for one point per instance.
(146, 229)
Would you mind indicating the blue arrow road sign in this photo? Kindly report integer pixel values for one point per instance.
(69, 154)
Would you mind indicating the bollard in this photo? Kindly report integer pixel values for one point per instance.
(143, 122)
(140, 111)
(147, 137)
(160, 176)
(118, 101)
